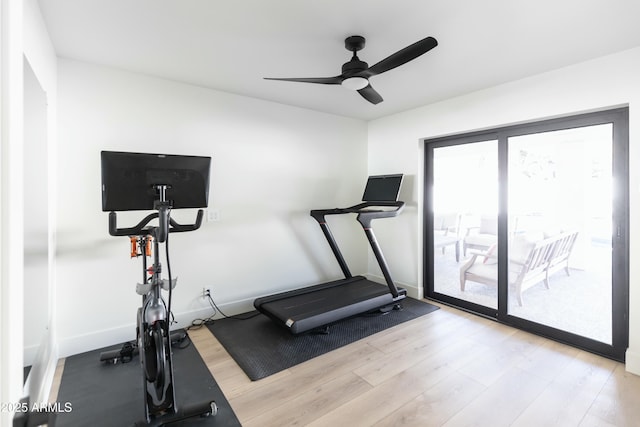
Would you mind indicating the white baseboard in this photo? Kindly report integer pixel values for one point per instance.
(107, 337)
(632, 361)
(49, 373)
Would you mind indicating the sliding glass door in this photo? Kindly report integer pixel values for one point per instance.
(465, 215)
(528, 224)
(560, 206)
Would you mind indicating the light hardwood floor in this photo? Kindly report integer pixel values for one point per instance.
(448, 368)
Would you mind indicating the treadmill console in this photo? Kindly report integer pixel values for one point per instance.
(382, 188)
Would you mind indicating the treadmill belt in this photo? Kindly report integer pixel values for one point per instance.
(309, 308)
(328, 299)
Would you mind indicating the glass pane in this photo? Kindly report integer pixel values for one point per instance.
(465, 207)
(560, 217)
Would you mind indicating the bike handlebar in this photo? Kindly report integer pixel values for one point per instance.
(141, 228)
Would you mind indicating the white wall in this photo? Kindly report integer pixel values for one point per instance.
(11, 179)
(271, 164)
(605, 82)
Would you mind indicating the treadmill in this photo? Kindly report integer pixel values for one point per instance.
(314, 307)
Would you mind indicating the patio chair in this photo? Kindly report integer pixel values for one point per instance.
(530, 262)
(481, 237)
(446, 229)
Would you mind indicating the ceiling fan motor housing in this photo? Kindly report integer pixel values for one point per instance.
(354, 44)
(353, 67)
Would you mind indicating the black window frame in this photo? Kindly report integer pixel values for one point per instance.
(619, 117)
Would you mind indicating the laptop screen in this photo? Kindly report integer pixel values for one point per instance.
(382, 188)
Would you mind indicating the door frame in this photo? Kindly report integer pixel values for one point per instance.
(619, 117)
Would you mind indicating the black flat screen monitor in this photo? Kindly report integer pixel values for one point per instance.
(382, 188)
(130, 180)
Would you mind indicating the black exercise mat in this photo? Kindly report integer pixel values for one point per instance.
(262, 348)
(101, 394)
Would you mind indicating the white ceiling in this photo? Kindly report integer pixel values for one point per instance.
(231, 45)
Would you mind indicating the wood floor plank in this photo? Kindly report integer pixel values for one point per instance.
(572, 391)
(502, 402)
(226, 370)
(558, 405)
(514, 349)
(307, 376)
(406, 357)
(413, 330)
(587, 370)
(312, 404)
(209, 347)
(388, 396)
(57, 378)
(593, 421)
(619, 401)
(239, 384)
(487, 331)
(436, 405)
(370, 407)
(550, 360)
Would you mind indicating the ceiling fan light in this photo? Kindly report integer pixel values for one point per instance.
(355, 83)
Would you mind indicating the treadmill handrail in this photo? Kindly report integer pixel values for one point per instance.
(365, 216)
(362, 209)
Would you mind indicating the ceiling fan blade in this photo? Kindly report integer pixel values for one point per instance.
(321, 80)
(401, 57)
(370, 95)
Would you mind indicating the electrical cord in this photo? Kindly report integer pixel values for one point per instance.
(198, 323)
(178, 344)
(215, 307)
(166, 248)
(237, 317)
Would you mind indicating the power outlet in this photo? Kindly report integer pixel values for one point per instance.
(205, 293)
(213, 215)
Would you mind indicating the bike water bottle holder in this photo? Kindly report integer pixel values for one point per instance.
(145, 288)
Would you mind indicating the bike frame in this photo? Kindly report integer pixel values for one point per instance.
(153, 317)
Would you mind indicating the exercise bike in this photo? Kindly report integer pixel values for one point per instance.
(153, 318)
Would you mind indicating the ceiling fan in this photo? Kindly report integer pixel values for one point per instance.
(356, 73)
